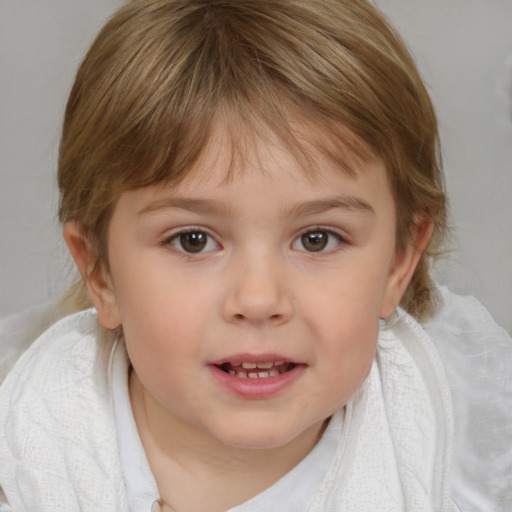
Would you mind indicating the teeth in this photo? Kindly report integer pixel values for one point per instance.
(272, 369)
(265, 366)
(262, 366)
(254, 375)
(259, 375)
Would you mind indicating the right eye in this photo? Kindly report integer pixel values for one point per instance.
(192, 242)
(318, 240)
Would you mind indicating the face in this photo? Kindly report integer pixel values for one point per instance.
(250, 305)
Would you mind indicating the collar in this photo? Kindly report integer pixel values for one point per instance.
(141, 488)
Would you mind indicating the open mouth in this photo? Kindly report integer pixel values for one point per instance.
(265, 370)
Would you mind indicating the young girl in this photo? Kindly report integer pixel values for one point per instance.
(252, 193)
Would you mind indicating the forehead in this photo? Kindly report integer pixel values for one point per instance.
(302, 147)
(262, 166)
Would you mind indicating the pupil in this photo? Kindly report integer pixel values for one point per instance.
(193, 242)
(315, 241)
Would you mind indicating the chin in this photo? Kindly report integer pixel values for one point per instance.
(258, 436)
(255, 441)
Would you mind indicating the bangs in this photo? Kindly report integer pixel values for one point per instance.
(240, 133)
(145, 103)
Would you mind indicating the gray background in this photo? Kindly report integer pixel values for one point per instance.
(463, 48)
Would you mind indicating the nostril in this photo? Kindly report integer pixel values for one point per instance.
(272, 318)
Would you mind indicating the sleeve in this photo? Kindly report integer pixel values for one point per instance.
(477, 358)
(18, 331)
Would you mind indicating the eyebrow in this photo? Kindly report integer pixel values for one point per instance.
(204, 206)
(350, 203)
(210, 206)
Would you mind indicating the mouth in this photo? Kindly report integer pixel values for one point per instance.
(260, 370)
(257, 377)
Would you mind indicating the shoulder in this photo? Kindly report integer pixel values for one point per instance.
(56, 422)
(457, 315)
(476, 354)
(18, 331)
(69, 358)
(76, 337)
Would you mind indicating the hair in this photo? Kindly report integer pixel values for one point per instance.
(162, 74)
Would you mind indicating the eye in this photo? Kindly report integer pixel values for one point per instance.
(192, 242)
(317, 240)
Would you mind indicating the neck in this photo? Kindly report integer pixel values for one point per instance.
(182, 455)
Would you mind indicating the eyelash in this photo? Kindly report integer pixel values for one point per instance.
(332, 236)
(178, 238)
(326, 239)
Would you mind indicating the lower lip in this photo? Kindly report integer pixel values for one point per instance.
(257, 389)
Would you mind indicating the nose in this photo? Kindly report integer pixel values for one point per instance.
(259, 293)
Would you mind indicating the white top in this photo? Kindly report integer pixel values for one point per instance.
(292, 492)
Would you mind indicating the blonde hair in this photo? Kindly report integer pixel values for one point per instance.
(162, 73)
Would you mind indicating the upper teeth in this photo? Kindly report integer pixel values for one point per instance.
(261, 370)
(251, 366)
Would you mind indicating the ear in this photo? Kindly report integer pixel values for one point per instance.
(95, 276)
(404, 265)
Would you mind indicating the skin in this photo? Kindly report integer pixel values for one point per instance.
(261, 284)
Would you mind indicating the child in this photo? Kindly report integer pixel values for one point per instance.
(250, 189)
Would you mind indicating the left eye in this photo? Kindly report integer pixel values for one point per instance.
(193, 242)
(317, 240)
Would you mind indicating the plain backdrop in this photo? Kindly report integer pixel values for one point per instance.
(463, 49)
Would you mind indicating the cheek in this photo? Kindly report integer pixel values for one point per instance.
(163, 341)
(349, 345)
(350, 359)
(152, 293)
(348, 299)
(343, 318)
(160, 315)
